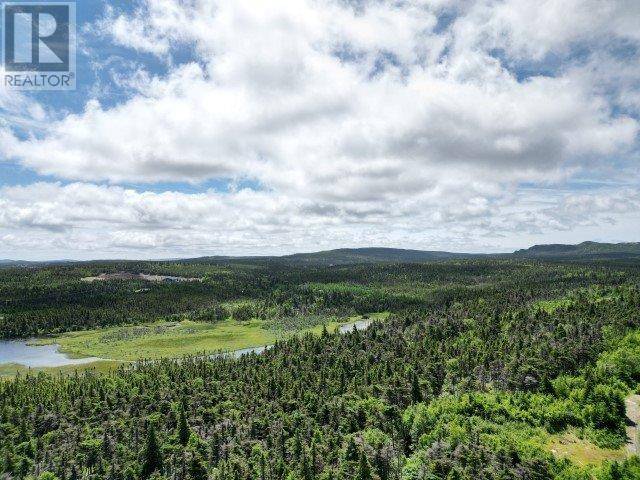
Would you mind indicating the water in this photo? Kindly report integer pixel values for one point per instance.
(359, 325)
(21, 353)
(246, 351)
(241, 352)
(346, 328)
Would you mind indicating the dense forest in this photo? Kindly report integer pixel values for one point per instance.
(54, 298)
(482, 365)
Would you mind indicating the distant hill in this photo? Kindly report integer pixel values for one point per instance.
(4, 262)
(345, 256)
(584, 249)
(27, 263)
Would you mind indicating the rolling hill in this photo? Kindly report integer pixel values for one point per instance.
(345, 256)
(584, 249)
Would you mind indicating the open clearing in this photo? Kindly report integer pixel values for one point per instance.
(581, 451)
(9, 370)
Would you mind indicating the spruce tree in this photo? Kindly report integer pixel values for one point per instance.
(416, 394)
(263, 466)
(297, 448)
(364, 470)
(351, 452)
(197, 469)
(183, 427)
(8, 463)
(215, 449)
(106, 445)
(24, 467)
(305, 469)
(152, 458)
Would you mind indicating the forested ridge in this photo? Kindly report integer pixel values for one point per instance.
(482, 364)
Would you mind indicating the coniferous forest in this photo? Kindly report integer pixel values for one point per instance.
(483, 369)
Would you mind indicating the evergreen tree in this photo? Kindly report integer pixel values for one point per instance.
(183, 427)
(214, 447)
(262, 466)
(351, 452)
(314, 457)
(364, 470)
(106, 445)
(24, 467)
(197, 469)
(297, 449)
(416, 394)
(151, 457)
(305, 469)
(7, 462)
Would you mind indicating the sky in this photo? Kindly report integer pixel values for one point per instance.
(237, 127)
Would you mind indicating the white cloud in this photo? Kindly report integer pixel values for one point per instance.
(352, 116)
(531, 30)
(93, 221)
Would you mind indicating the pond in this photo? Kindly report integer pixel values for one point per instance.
(36, 356)
(359, 325)
(241, 352)
(22, 353)
(346, 328)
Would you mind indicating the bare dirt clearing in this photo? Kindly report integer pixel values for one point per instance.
(138, 276)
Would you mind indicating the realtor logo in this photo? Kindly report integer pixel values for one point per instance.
(38, 45)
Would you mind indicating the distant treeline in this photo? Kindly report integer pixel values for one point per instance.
(53, 299)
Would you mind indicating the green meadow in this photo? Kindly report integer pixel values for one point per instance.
(9, 370)
(175, 339)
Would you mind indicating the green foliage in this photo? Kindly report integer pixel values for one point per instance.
(197, 468)
(469, 378)
(183, 427)
(243, 312)
(364, 470)
(47, 476)
(151, 456)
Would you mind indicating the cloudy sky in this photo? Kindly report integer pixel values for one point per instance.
(206, 127)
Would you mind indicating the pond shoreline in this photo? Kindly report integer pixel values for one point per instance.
(34, 353)
(28, 353)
